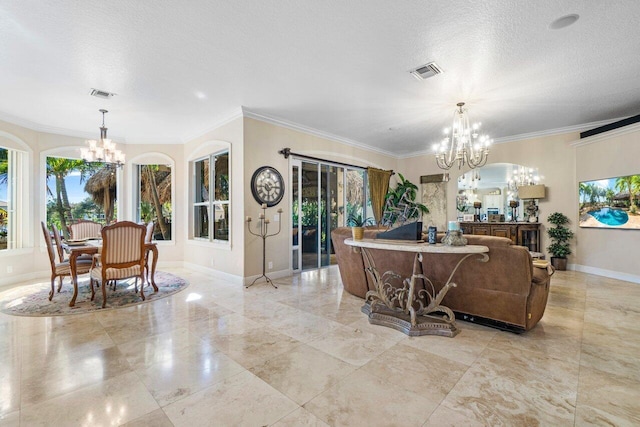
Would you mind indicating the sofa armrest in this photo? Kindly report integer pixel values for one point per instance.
(541, 275)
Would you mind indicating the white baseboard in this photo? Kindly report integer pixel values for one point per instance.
(169, 264)
(605, 273)
(27, 277)
(273, 275)
(232, 278)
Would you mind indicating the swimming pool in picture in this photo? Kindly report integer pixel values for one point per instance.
(610, 216)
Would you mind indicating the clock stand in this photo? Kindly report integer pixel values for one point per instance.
(263, 224)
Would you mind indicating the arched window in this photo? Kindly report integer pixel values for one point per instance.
(14, 180)
(77, 190)
(153, 193)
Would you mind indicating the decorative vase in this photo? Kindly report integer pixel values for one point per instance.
(454, 238)
(357, 233)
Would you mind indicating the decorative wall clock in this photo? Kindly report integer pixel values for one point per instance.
(267, 186)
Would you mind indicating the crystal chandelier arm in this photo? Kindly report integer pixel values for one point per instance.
(464, 146)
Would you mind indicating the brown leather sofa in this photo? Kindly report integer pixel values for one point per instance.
(506, 292)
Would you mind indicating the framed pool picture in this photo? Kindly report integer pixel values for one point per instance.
(610, 203)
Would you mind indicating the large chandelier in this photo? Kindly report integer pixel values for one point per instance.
(103, 150)
(462, 144)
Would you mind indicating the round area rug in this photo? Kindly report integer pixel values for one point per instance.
(33, 300)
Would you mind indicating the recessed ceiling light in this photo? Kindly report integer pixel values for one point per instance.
(200, 95)
(564, 21)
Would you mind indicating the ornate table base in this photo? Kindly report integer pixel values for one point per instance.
(412, 305)
(425, 325)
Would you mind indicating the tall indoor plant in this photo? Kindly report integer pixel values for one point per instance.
(404, 193)
(560, 236)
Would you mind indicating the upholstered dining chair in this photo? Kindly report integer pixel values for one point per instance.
(83, 229)
(61, 269)
(122, 257)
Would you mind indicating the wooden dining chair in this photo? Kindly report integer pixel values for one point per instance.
(83, 229)
(148, 238)
(61, 251)
(61, 269)
(58, 240)
(122, 257)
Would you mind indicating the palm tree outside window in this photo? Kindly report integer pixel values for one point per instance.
(79, 190)
(210, 211)
(153, 198)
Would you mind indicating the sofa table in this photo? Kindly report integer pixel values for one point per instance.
(402, 307)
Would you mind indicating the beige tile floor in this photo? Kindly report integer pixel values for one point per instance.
(303, 355)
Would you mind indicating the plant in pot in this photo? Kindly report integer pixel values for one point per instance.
(560, 236)
(357, 224)
(400, 203)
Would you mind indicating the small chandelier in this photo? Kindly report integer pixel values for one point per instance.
(462, 143)
(104, 150)
(522, 176)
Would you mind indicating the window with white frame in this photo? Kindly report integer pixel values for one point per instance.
(153, 198)
(210, 213)
(77, 190)
(12, 168)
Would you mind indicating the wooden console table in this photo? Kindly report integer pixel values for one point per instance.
(402, 308)
(521, 233)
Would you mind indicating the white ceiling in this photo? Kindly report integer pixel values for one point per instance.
(341, 67)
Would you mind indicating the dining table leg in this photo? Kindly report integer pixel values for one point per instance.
(154, 249)
(73, 257)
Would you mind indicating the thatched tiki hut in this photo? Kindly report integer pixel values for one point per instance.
(102, 187)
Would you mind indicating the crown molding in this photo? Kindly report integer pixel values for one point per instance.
(606, 135)
(556, 131)
(315, 132)
(537, 134)
(37, 127)
(245, 112)
(222, 120)
(153, 141)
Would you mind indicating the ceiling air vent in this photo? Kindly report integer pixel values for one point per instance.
(101, 93)
(425, 71)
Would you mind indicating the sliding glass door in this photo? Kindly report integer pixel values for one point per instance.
(323, 196)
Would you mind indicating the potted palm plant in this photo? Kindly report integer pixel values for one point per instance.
(357, 224)
(404, 193)
(560, 236)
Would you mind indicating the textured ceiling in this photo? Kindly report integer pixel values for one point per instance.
(337, 66)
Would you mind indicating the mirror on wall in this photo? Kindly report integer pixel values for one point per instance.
(492, 187)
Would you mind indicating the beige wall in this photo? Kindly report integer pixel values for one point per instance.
(19, 264)
(610, 252)
(170, 252)
(552, 155)
(256, 143)
(265, 140)
(223, 258)
(32, 261)
(562, 166)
